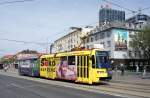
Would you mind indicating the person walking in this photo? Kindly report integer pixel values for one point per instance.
(122, 69)
(137, 69)
(5, 68)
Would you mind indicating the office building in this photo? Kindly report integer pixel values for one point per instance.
(110, 15)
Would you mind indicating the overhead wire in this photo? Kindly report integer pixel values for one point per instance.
(16, 1)
(132, 11)
(146, 8)
(25, 42)
(117, 5)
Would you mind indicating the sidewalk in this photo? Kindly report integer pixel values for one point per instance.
(11, 71)
(131, 78)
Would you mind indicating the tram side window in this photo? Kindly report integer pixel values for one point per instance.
(93, 61)
(64, 61)
(71, 60)
(64, 58)
(33, 61)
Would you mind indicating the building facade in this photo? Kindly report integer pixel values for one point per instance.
(71, 40)
(139, 20)
(111, 15)
(116, 38)
(113, 33)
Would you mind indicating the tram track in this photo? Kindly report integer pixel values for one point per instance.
(128, 88)
(131, 86)
(125, 89)
(127, 93)
(125, 82)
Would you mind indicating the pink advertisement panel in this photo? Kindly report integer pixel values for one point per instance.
(66, 71)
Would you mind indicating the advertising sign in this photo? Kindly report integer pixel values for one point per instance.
(121, 38)
(66, 71)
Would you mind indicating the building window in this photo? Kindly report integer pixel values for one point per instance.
(87, 40)
(91, 39)
(108, 43)
(108, 34)
(130, 53)
(96, 37)
(131, 35)
(71, 40)
(140, 55)
(103, 43)
(102, 35)
(135, 54)
(87, 46)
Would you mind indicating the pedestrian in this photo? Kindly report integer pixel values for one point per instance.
(112, 64)
(122, 69)
(137, 69)
(5, 68)
(144, 71)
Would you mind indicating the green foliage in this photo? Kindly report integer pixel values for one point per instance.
(7, 61)
(141, 41)
(28, 52)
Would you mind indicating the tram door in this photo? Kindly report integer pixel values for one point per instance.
(52, 68)
(83, 68)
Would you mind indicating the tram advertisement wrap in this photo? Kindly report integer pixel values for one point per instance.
(65, 71)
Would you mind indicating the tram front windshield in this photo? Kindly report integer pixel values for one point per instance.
(102, 59)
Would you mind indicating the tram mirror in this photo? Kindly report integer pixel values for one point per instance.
(93, 66)
(92, 57)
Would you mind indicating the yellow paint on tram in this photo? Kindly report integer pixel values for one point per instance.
(79, 66)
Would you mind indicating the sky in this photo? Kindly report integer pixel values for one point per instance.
(44, 21)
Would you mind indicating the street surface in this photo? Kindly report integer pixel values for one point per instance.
(130, 85)
(11, 87)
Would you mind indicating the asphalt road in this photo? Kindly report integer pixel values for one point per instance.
(11, 87)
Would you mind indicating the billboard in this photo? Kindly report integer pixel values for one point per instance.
(121, 39)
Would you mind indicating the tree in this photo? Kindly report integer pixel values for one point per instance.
(28, 51)
(141, 42)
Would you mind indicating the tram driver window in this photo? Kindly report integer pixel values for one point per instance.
(71, 60)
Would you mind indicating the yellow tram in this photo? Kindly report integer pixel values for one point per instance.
(85, 66)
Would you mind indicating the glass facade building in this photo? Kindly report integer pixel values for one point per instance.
(110, 15)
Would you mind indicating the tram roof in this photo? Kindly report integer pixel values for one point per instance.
(70, 53)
